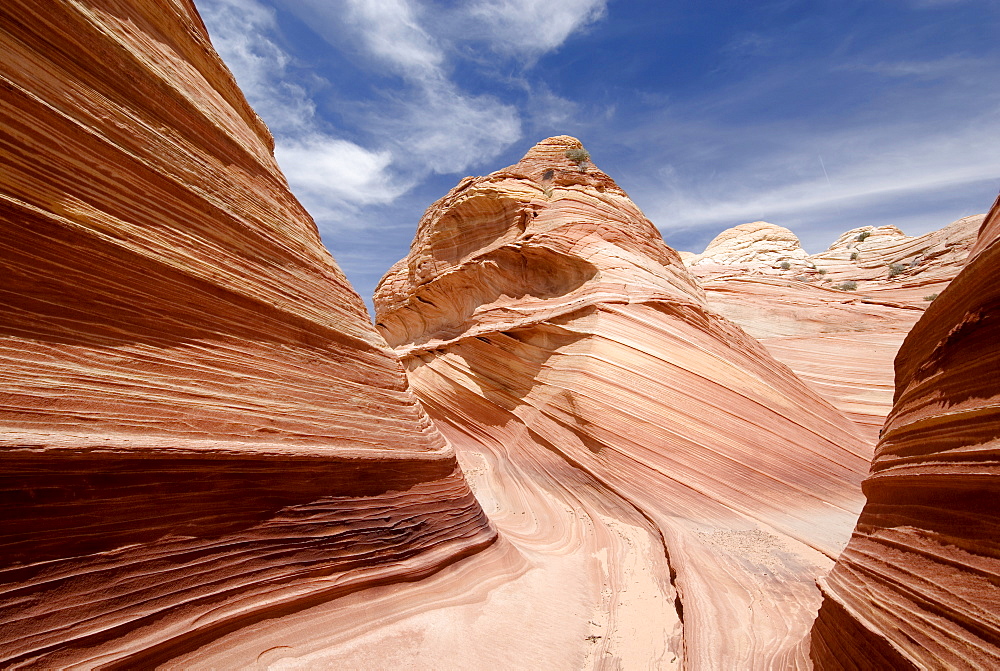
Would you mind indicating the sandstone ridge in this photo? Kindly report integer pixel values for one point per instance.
(556, 339)
(200, 429)
(756, 242)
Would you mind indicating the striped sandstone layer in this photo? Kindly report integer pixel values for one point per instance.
(839, 340)
(919, 583)
(555, 339)
(199, 428)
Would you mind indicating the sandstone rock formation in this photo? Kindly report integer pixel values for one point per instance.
(919, 583)
(756, 242)
(199, 428)
(879, 258)
(568, 354)
(838, 322)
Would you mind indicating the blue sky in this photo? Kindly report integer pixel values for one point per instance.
(819, 116)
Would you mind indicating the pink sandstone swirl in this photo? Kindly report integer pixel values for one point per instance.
(918, 586)
(199, 429)
(558, 341)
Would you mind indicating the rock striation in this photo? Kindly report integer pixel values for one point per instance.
(556, 340)
(199, 428)
(838, 317)
(917, 586)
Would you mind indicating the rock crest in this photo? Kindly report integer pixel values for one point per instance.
(756, 242)
(548, 329)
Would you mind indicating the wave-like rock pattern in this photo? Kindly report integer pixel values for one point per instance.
(838, 322)
(540, 315)
(198, 426)
(919, 583)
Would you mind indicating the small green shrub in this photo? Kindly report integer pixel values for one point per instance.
(821, 271)
(930, 298)
(578, 155)
(862, 235)
(849, 285)
(896, 269)
(785, 265)
(854, 256)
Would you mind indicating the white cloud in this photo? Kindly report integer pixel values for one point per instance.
(322, 168)
(423, 123)
(240, 30)
(331, 176)
(430, 123)
(531, 27)
(445, 130)
(390, 32)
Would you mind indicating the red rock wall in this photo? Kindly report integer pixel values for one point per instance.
(199, 427)
(542, 319)
(919, 583)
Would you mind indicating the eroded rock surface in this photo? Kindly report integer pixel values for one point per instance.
(837, 318)
(560, 343)
(917, 586)
(199, 428)
(757, 242)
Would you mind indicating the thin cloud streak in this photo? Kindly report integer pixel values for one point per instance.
(892, 168)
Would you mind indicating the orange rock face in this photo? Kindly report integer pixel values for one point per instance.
(917, 586)
(559, 343)
(199, 428)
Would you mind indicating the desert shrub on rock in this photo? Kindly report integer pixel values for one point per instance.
(578, 155)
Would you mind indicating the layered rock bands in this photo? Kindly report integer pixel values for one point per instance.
(837, 318)
(919, 583)
(556, 339)
(199, 428)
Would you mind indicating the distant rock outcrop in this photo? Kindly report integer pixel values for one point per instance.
(838, 317)
(869, 237)
(199, 428)
(756, 242)
(874, 257)
(553, 335)
(919, 583)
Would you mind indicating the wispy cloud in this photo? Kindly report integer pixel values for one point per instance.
(807, 180)
(240, 31)
(389, 31)
(330, 175)
(938, 67)
(529, 28)
(429, 122)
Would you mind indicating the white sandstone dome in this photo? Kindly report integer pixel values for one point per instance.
(757, 242)
(867, 235)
